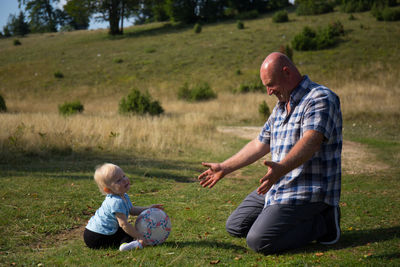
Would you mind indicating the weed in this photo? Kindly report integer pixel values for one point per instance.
(118, 60)
(240, 25)
(17, 42)
(3, 107)
(197, 28)
(263, 110)
(287, 50)
(58, 75)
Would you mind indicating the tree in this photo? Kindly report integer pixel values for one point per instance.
(17, 25)
(78, 13)
(114, 11)
(182, 10)
(43, 17)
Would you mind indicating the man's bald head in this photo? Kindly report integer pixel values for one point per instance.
(279, 75)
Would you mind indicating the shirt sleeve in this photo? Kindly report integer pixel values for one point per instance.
(265, 134)
(321, 113)
(117, 206)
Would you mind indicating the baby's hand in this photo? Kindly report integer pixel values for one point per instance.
(158, 206)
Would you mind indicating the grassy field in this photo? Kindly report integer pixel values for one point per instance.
(47, 161)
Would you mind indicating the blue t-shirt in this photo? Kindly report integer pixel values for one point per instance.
(104, 221)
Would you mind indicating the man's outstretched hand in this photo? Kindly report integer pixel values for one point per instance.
(275, 172)
(211, 176)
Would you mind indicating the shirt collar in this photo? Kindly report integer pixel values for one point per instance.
(298, 93)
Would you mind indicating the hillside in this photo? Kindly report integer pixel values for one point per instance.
(161, 57)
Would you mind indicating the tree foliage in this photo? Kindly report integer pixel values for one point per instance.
(17, 26)
(43, 17)
(78, 13)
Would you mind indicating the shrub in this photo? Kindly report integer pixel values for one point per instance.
(17, 42)
(58, 75)
(263, 110)
(309, 39)
(391, 14)
(118, 60)
(3, 107)
(386, 14)
(238, 72)
(351, 17)
(200, 92)
(250, 87)
(197, 28)
(240, 25)
(305, 40)
(314, 7)
(287, 50)
(138, 103)
(70, 108)
(280, 16)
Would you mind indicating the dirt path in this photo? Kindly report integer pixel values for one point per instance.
(356, 157)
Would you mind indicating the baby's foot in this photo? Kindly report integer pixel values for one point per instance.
(129, 246)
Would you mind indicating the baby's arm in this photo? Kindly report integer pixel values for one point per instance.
(126, 226)
(137, 210)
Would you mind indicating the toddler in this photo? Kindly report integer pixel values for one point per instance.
(109, 227)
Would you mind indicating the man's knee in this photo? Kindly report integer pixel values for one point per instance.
(234, 227)
(261, 244)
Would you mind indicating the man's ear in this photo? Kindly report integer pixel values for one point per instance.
(107, 190)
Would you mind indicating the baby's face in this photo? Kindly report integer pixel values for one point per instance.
(119, 184)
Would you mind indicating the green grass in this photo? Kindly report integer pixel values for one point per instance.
(43, 200)
(47, 198)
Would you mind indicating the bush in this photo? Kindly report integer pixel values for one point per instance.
(250, 87)
(118, 60)
(314, 7)
(17, 42)
(70, 108)
(200, 92)
(263, 110)
(280, 16)
(309, 39)
(197, 28)
(287, 50)
(240, 25)
(350, 6)
(138, 103)
(3, 107)
(58, 75)
(386, 14)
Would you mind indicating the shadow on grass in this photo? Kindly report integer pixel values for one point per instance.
(82, 165)
(204, 243)
(356, 238)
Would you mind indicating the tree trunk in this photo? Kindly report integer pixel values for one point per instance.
(114, 17)
(122, 17)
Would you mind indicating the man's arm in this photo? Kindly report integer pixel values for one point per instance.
(302, 151)
(251, 152)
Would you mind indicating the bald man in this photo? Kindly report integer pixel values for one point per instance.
(297, 201)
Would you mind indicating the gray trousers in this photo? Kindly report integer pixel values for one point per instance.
(276, 228)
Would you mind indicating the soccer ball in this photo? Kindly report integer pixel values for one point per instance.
(154, 225)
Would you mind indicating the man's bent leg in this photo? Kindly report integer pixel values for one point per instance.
(281, 227)
(240, 221)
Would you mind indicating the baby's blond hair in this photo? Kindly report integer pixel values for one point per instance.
(104, 174)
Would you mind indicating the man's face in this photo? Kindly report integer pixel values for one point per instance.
(272, 84)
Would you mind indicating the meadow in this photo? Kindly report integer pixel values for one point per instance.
(47, 160)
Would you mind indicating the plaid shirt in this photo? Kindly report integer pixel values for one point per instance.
(313, 107)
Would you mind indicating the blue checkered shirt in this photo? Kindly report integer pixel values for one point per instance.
(313, 107)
